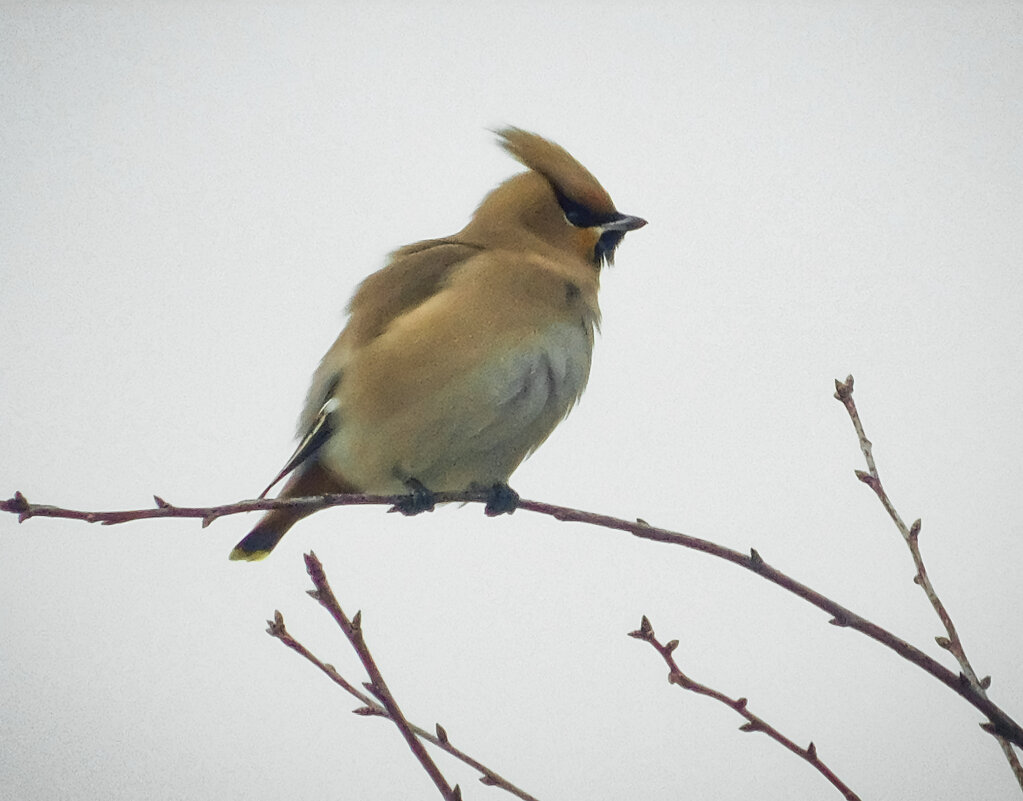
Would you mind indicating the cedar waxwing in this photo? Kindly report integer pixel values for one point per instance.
(462, 354)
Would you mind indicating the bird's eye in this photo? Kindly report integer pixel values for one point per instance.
(577, 214)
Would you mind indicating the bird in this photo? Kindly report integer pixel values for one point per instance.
(461, 354)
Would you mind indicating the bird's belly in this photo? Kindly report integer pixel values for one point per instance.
(473, 428)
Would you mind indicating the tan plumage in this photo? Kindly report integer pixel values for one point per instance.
(462, 354)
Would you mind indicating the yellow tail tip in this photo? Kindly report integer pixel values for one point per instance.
(239, 554)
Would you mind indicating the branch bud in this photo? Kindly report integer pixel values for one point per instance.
(645, 630)
(275, 627)
(843, 389)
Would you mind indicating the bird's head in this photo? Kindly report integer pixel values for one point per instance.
(557, 204)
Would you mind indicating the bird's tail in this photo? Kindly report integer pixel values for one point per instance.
(312, 479)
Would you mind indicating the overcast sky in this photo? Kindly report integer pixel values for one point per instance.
(190, 194)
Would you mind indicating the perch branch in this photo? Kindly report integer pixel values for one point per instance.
(999, 722)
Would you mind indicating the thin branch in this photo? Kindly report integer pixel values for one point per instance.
(645, 632)
(999, 722)
(911, 535)
(20, 506)
(371, 707)
(352, 629)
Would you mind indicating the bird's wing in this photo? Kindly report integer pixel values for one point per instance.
(413, 275)
(319, 432)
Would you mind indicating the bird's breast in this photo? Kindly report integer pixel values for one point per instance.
(542, 375)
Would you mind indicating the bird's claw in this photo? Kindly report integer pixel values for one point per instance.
(419, 500)
(501, 500)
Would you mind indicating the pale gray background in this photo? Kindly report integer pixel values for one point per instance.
(190, 193)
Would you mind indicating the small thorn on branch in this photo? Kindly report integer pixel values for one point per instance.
(756, 561)
(811, 750)
(442, 735)
(161, 503)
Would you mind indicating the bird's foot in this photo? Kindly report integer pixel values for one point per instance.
(419, 500)
(501, 500)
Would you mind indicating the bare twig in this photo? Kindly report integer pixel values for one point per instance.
(645, 632)
(999, 722)
(371, 707)
(20, 506)
(352, 629)
(911, 535)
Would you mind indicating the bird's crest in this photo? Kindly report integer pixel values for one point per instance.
(569, 178)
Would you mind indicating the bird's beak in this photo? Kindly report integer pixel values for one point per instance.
(623, 223)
